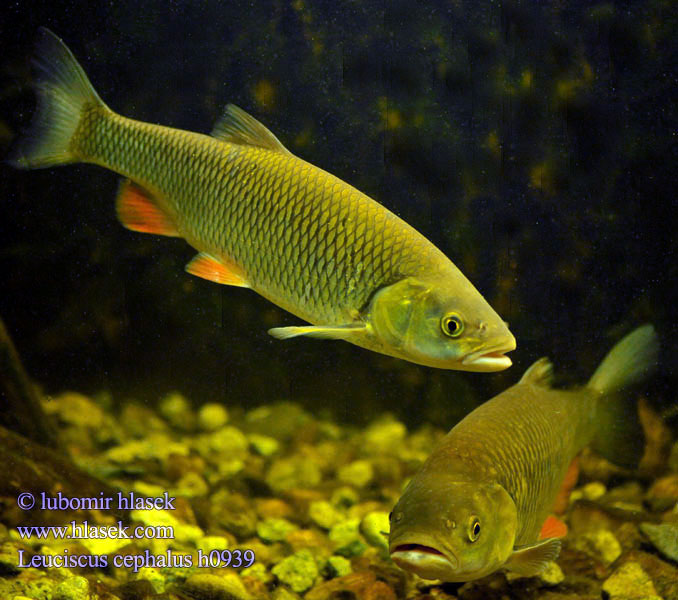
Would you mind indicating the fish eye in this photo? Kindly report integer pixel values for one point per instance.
(452, 325)
(474, 529)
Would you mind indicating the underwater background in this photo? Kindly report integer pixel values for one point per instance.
(534, 143)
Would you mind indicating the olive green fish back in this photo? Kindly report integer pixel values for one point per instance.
(529, 457)
(303, 237)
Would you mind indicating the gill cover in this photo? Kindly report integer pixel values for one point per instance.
(395, 312)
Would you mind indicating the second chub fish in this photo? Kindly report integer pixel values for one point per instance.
(262, 218)
(481, 500)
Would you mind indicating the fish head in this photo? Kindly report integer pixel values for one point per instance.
(444, 326)
(452, 530)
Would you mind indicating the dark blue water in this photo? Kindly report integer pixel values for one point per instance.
(534, 143)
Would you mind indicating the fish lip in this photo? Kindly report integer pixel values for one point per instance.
(490, 360)
(417, 547)
(401, 551)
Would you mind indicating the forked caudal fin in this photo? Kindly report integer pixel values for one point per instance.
(64, 93)
(619, 434)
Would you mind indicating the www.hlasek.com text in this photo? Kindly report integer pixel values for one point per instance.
(85, 531)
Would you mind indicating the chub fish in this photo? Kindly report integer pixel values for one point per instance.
(481, 500)
(262, 218)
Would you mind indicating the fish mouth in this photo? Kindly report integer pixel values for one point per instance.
(417, 548)
(425, 561)
(492, 360)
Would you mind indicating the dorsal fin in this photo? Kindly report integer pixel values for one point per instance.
(238, 127)
(540, 373)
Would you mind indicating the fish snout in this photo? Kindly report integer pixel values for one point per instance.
(493, 341)
(425, 560)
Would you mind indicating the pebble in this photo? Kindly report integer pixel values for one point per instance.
(338, 566)
(310, 539)
(324, 515)
(664, 537)
(663, 494)
(663, 575)
(212, 416)
(293, 472)
(138, 420)
(9, 559)
(552, 575)
(375, 527)
(229, 440)
(630, 582)
(274, 530)
(384, 437)
(347, 539)
(590, 491)
(351, 586)
(183, 532)
(137, 589)
(154, 577)
(298, 571)
(344, 497)
(191, 485)
(282, 593)
(177, 411)
(73, 588)
(379, 591)
(263, 445)
(258, 571)
(226, 586)
(212, 542)
(358, 473)
(76, 409)
(600, 544)
(157, 446)
(345, 532)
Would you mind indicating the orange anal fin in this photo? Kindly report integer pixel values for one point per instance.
(570, 480)
(208, 267)
(553, 527)
(139, 211)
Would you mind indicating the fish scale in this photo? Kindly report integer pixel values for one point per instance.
(246, 200)
(531, 457)
(482, 499)
(263, 218)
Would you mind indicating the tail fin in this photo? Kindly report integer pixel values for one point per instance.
(619, 434)
(64, 92)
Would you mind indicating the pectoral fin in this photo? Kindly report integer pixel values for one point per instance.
(332, 332)
(531, 560)
(206, 266)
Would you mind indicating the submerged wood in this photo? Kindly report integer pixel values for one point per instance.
(30, 467)
(21, 408)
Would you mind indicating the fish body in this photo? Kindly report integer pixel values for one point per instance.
(263, 218)
(480, 501)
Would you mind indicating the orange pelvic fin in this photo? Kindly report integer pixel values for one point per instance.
(206, 266)
(570, 480)
(138, 210)
(553, 527)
